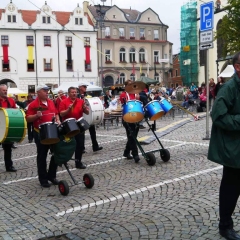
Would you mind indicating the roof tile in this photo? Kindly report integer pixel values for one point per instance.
(29, 16)
(62, 17)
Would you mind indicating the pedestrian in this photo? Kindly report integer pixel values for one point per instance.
(221, 81)
(107, 99)
(224, 148)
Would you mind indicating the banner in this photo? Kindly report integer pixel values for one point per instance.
(30, 54)
(5, 54)
(69, 54)
(133, 69)
(87, 49)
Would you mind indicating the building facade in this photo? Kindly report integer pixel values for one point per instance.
(132, 44)
(46, 47)
(175, 78)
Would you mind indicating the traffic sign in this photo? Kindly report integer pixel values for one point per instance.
(206, 36)
(206, 46)
(206, 16)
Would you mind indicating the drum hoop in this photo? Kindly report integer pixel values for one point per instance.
(151, 102)
(7, 124)
(69, 119)
(25, 126)
(80, 119)
(134, 100)
(44, 123)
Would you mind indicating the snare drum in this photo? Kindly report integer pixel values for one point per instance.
(70, 127)
(48, 133)
(13, 125)
(82, 124)
(166, 105)
(154, 110)
(96, 111)
(133, 111)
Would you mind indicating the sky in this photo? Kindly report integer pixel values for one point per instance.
(168, 10)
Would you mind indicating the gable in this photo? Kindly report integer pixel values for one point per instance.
(149, 16)
(115, 11)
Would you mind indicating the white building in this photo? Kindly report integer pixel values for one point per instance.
(46, 47)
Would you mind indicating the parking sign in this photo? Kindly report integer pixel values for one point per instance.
(206, 16)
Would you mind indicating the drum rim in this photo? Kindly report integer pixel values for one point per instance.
(69, 119)
(80, 119)
(134, 100)
(151, 102)
(46, 123)
(7, 124)
(25, 126)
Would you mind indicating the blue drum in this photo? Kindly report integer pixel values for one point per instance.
(133, 111)
(166, 105)
(154, 110)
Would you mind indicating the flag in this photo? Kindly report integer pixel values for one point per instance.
(147, 69)
(155, 70)
(103, 79)
(133, 69)
(140, 69)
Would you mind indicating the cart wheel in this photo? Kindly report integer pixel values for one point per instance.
(165, 155)
(63, 187)
(151, 159)
(88, 180)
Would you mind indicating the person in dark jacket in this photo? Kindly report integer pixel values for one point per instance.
(224, 148)
(107, 99)
(221, 81)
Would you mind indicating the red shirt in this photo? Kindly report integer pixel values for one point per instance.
(4, 103)
(59, 100)
(124, 97)
(76, 111)
(47, 115)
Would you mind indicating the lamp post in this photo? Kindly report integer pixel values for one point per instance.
(100, 25)
(78, 74)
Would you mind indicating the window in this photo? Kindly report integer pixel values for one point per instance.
(12, 18)
(142, 33)
(47, 40)
(176, 73)
(47, 64)
(29, 40)
(5, 66)
(114, 16)
(142, 55)
(132, 77)
(122, 55)
(107, 32)
(46, 19)
(88, 67)
(165, 56)
(4, 40)
(87, 41)
(142, 74)
(156, 56)
(30, 66)
(31, 89)
(122, 78)
(156, 77)
(69, 41)
(132, 33)
(78, 21)
(121, 32)
(107, 55)
(69, 65)
(132, 55)
(149, 19)
(156, 36)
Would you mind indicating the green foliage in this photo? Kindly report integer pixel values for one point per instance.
(229, 29)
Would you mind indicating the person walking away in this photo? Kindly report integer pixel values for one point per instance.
(221, 81)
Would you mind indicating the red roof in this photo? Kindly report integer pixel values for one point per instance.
(1, 10)
(62, 17)
(89, 19)
(29, 16)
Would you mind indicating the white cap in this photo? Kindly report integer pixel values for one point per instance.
(39, 87)
(82, 84)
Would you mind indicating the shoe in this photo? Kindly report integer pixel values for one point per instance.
(229, 234)
(30, 141)
(11, 169)
(45, 184)
(54, 181)
(80, 165)
(136, 159)
(141, 127)
(13, 146)
(128, 156)
(97, 149)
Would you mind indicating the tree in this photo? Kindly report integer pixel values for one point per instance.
(229, 29)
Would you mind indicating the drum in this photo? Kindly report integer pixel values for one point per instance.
(70, 127)
(48, 133)
(133, 111)
(154, 110)
(82, 124)
(96, 111)
(13, 125)
(166, 105)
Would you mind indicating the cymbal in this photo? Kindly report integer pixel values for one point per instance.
(40, 109)
(135, 87)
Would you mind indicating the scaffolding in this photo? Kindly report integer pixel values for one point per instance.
(189, 43)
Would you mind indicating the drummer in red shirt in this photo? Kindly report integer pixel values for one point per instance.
(73, 107)
(131, 144)
(43, 110)
(6, 102)
(59, 99)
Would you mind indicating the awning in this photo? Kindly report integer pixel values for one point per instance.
(228, 72)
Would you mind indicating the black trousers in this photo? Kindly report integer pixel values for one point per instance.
(7, 148)
(30, 131)
(79, 146)
(93, 135)
(228, 197)
(131, 144)
(42, 151)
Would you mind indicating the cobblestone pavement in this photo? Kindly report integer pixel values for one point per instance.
(173, 200)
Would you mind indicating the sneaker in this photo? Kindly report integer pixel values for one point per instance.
(141, 127)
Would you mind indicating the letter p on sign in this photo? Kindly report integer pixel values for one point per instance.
(206, 16)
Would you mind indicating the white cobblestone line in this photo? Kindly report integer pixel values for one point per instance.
(136, 191)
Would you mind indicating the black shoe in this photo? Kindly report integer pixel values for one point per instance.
(30, 141)
(128, 156)
(11, 169)
(13, 146)
(54, 181)
(97, 149)
(141, 127)
(229, 234)
(45, 184)
(136, 159)
(80, 165)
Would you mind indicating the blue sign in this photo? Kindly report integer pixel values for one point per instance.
(206, 16)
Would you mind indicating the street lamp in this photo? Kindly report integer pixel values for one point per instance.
(78, 74)
(100, 25)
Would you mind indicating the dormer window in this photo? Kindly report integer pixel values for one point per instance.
(149, 19)
(12, 18)
(78, 21)
(114, 16)
(46, 19)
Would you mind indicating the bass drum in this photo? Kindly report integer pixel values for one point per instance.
(96, 111)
